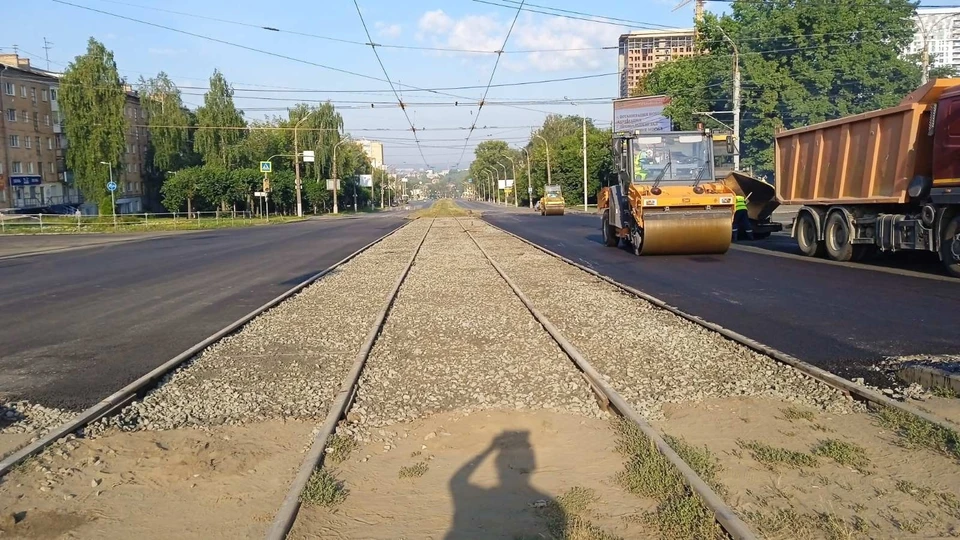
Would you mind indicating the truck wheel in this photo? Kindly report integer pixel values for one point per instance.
(838, 237)
(950, 247)
(609, 231)
(807, 236)
(636, 241)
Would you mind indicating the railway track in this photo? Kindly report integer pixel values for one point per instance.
(571, 359)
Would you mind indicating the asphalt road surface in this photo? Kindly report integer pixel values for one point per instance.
(841, 318)
(78, 325)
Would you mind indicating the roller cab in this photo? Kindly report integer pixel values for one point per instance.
(552, 203)
(667, 200)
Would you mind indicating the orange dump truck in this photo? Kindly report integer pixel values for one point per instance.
(885, 180)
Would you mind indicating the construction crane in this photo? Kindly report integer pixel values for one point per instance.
(697, 8)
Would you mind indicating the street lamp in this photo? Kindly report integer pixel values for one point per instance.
(529, 179)
(335, 181)
(113, 200)
(504, 183)
(925, 56)
(496, 185)
(513, 165)
(296, 161)
(736, 99)
(549, 178)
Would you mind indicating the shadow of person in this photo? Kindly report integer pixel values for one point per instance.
(511, 509)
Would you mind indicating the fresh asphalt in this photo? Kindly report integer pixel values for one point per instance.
(76, 326)
(844, 318)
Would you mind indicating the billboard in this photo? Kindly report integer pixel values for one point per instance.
(504, 184)
(366, 180)
(330, 184)
(640, 114)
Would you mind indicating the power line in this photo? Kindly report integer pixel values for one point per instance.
(387, 76)
(590, 18)
(582, 14)
(490, 81)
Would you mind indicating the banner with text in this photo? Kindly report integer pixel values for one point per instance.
(643, 114)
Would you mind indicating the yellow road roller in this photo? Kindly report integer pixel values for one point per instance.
(552, 202)
(667, 200)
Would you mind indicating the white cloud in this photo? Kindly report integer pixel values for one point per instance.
(388, 30)
(486, 32)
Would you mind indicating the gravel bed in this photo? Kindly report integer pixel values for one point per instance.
(651, 356)
(287, 363)
(25, 417)
(458, 339)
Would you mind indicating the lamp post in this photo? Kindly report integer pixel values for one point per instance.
(736, 99)
(490, 182)
(925, 53)
(504, 183)
(513, 166)
(296, 161)
(113, 200)
(335, 181)
(549, 178)
(529, 179)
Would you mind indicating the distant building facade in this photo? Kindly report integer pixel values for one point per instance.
(374, 151)
(32, 166)
(641, 51)
(940, 29)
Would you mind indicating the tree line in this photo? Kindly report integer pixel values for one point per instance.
(208, 158)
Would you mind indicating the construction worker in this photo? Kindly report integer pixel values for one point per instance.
(639, 174)
(741, 219)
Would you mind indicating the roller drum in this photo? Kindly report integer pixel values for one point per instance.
(553, 210)
(687, 232)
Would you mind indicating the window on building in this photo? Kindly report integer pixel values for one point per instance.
(25, 116)
(14, 141)
(3, 195)
(53, 167)
(33, 93)
(26, 142)
(44, 95)
(1, 167)
(12, 115)
(30, 169)
(46, 119)
(49, 143)
(9, 89)
(16, 167)
(23, 91)
(38, 143)
(53, 94)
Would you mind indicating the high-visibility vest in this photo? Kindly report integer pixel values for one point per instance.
(638, 172)
(741, 203)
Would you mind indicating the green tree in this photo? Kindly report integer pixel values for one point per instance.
(221, 187)
(182, 189)
(217, 122)
(167, 120)
(93, 101)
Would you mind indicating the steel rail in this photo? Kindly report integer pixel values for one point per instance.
(287, 513)
(125, 395)
(723, 513)
(844, 385)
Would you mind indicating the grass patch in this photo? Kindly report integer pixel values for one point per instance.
(323, 489)
(414, 471)
(567, 517)
(340, 448)
(788, 523)
(442, 208)
(917, 432)
(133, 223)
(944, 392)
(945, 500)
(680, 513)
(794, 413)
(844, 453)
(772, 456)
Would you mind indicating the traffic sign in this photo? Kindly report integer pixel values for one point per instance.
(266, 166)
(259, 193)
(111, 186)
(308, 156)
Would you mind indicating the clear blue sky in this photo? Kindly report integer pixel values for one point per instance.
(144, 50)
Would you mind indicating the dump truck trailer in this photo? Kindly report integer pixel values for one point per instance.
(887, 180)
(667, 200)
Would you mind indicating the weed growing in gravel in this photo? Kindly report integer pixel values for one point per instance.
(775, 522)
(566, 517)
(680, 514)
(915, 431)
(441, 208)
(947, 501)
(414, 471)
(340, 447)
(323, 489)
(795, 413)
(944, 392)
(844, 453)
(772, 456)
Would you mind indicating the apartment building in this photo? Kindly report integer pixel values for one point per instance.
(130, 174)
(32, 172)
(939, 29)
(374, 151)
(641, 51)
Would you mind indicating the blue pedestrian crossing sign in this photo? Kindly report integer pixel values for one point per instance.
(111, 186)
(266, 166)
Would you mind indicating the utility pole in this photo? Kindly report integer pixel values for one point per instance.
(296, 162)
(584, 118)
(529, 179)
(513, 165)
(736, 100)
(549, 178)
(336, 210)
(925, 54)
(47, 45)
(504, 183)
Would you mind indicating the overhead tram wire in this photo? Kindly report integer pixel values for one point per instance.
(387, 76)
(624, 22)
(489, 82)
